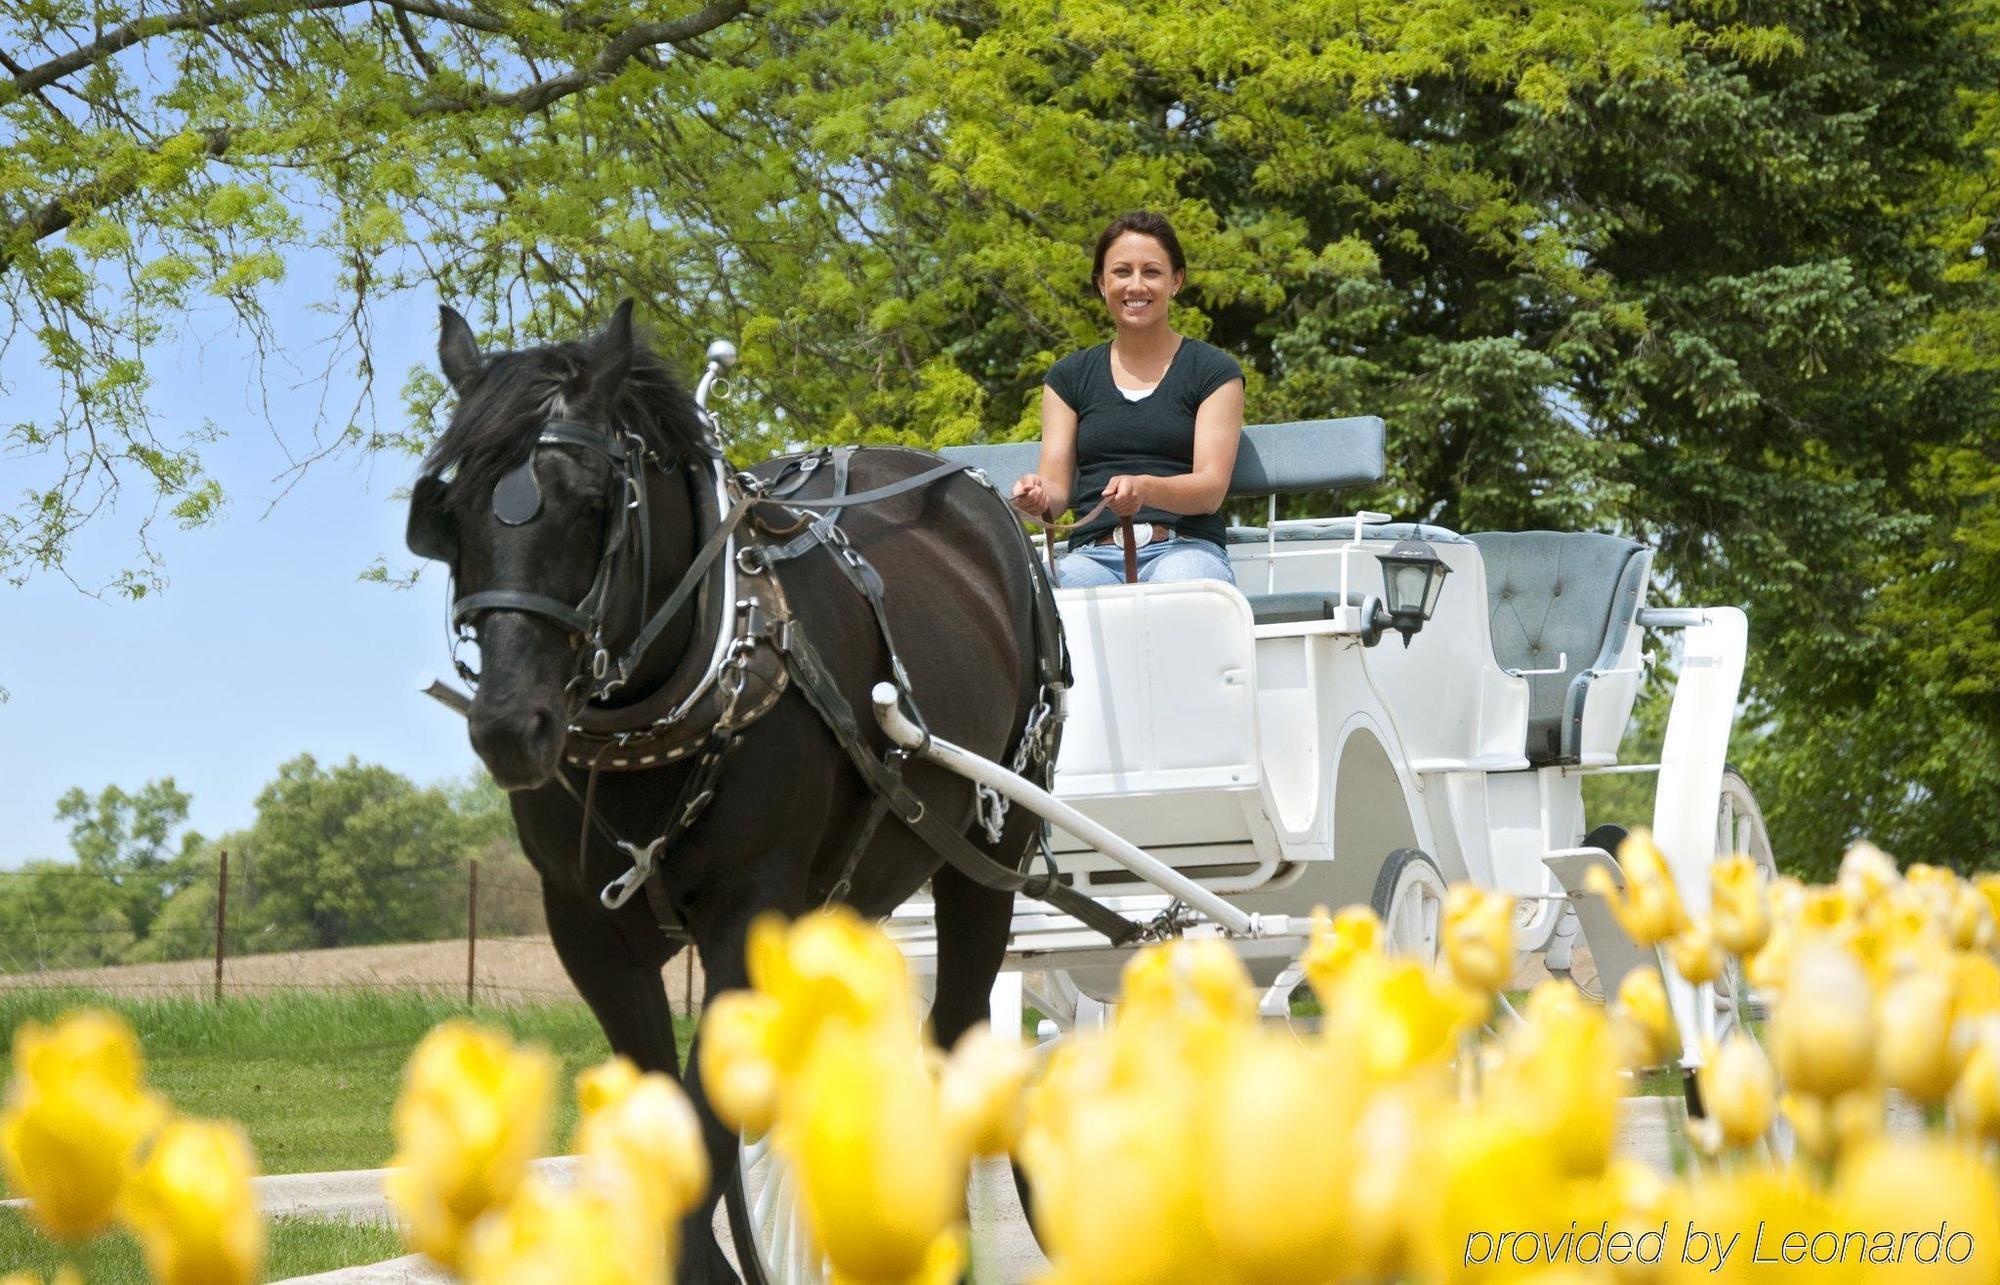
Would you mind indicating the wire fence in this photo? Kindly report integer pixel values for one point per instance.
(473, 931)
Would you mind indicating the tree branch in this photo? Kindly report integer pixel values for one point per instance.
(62, 210)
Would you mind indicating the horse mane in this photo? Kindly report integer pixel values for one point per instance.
(496, 424)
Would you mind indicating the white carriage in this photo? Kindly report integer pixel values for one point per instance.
(1235, 755)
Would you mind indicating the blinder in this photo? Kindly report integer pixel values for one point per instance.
(517, 501)
(431, 533)
(517, 498)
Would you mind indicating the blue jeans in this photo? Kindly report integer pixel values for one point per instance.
(1174, 558)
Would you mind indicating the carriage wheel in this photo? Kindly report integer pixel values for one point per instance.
(1409, 898)
(767, 1221)
(1739, 828)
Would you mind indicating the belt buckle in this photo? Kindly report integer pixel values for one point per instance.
(1142, 535)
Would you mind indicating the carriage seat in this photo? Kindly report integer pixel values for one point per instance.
(1272, 459)
(1549, 593)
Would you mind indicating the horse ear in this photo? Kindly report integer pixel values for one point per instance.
(610, 359)
(432, 533)
(458, 351)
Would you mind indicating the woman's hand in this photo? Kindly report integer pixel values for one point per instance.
(1126, 493)
(1031, 496)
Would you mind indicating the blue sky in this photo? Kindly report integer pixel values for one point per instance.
(265, 644)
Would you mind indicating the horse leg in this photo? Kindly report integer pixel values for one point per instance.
(973, 923)
(618, 979)
(702, 1259)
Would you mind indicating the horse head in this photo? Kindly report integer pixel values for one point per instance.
(556, 497)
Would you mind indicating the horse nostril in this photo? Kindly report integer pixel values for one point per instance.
(540, 726)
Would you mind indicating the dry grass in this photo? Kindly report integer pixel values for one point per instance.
(509, 970)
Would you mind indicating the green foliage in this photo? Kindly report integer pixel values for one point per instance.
(1717, 275)
(343, 856)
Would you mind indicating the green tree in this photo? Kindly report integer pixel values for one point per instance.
(349, 855)
(128, 841)
(1696, 270)
(54, 916)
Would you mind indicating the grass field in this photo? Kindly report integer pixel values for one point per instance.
(311, 1077)
(299, 1247)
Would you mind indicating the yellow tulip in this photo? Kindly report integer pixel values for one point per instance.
(1642, 1005)
(1271, 1150)
(1828, 911)
(1649, 907)
(1739, 904)
(1739, 1091)
(1695, 954)
(1924, 1185)
(1558, 1076)
(1866, 872)
(1988, 886)
(1923, 1044)
(605, 1084)
(1479, 937)
(1493, 1171)
(1969, 922)
(1336, 942)
(829, 966)
(193, 1208)
(739, 1070)
(645, 1131)
(1201, 978)
(979, 1094)
(1827, 1127)
(590, 1234)
(862, 1126)
(1772, 964)
(1823, 1032)
(1975, 1101)
(473, 1111)
(76, 1114)
(1115, 1198)
(1392, 1017)
(1734, 1207)
(1384, 1199)
(1975, 981)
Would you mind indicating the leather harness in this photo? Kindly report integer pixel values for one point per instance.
(760, 648)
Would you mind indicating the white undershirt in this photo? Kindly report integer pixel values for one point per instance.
(1137, 394)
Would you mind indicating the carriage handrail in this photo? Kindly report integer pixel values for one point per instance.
(1672, 617)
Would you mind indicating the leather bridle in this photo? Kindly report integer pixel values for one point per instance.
(517, 502)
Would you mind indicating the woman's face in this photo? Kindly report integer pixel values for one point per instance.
(1138, 280)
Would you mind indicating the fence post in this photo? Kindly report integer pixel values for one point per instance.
(471, 926)
(221, 917)
(687, 984)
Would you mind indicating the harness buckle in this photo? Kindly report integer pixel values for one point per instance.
(620, 890)
(600, 664)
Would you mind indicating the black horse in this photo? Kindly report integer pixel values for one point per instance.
(583, 473)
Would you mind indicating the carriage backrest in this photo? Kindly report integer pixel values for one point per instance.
(1273, 459)
(1557, 595)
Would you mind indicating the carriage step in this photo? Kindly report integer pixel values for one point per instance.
(1611, 947)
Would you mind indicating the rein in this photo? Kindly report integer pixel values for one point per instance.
(1060, 530)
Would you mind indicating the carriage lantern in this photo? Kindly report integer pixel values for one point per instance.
(1412, 578)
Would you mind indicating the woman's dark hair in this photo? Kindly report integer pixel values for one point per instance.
(1146, 223)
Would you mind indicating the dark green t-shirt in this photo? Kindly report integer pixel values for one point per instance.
(1153, 436)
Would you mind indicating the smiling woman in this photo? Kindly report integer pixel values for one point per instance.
(1145, 426)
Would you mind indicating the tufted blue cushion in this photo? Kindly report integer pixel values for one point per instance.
(1281, 459)
(1553, 592)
